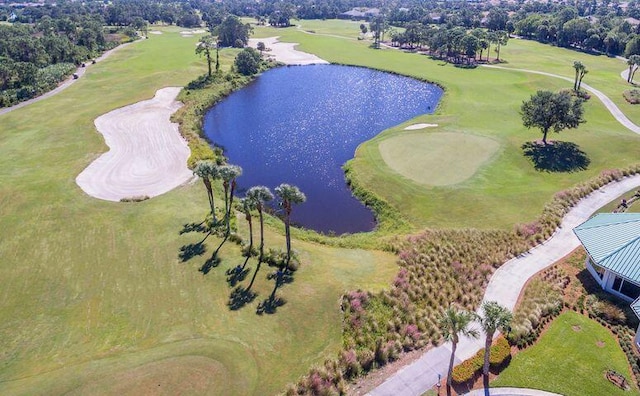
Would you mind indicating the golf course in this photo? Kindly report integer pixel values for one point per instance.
(96, 298)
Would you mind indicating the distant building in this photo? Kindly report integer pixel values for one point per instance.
(360, 13)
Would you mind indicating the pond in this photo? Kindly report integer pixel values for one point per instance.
(300, 124)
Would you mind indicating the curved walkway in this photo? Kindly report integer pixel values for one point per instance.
(509, 280)
(608, 103)
(66, 84)
(504, 287)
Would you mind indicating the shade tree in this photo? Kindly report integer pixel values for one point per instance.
(547, 111)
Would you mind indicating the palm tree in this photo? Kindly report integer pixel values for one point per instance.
(208, 171)
(453, 323)
(206, 44)
(581, 70)
(494, 317)
(260, 195)
(228, 174)
(289, 195)
(247, 206)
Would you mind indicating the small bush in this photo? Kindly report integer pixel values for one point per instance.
(632, 96)
(500, 353)
(468, 370)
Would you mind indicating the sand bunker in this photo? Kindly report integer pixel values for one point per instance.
(147, 155)
(155, 32)
(286, 53)
(419, 126)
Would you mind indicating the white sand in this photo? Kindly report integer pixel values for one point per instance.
(286, 52)
(147, 155)
(155, 32)
(186, 35)
(419, 126)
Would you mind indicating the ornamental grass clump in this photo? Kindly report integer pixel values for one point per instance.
(542, 301)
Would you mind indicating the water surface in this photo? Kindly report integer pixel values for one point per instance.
(299, 125)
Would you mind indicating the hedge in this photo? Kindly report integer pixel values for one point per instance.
(470, 369)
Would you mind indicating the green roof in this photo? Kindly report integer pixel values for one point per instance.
(613, 242)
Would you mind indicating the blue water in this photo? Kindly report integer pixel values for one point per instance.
(299, 125)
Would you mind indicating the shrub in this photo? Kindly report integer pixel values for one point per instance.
(500, 353)
(632, 96)
(468, 370)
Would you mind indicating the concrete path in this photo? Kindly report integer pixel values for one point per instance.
(66, 84)
(504, 287)
(511, 392)
(608, 103)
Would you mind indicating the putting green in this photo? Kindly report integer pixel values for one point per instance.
(437, 159)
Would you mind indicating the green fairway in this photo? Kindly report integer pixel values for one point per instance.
(569, 359)
(437, 159)
(481, 102)
(94, 298)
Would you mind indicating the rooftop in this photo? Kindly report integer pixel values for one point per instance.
(612, 240)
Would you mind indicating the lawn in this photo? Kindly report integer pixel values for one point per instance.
(569, 359)
(482, 102)
(94, 298)
(94, 293)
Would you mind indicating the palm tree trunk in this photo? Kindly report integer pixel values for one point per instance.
(207, 184)
(487, 351)
(233, 187)
(249, 220)
(261, 234)
(287, 234)
(454, 345)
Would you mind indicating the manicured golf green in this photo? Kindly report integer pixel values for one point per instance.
(94, 298)
(569, 359)
(484, 102)
(434, 158)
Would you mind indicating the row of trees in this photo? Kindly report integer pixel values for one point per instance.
(257, 198)
(455, 323)
(454, 43)
(34, 58)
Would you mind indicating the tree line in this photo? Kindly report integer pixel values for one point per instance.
(34, 58)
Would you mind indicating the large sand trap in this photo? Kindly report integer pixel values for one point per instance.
(155, 32)
(147, 155)
(286, 52)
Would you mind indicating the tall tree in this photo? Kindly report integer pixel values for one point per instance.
(228, 173)
(289, 195)
(453, 323)
(547, 110)
(232, 32)
(581, 70)
(208, 171)
(260, 195)
(494, 317)
(206, 44)
(248, 205)
(634, 63)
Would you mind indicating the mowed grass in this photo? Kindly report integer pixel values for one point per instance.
(484, 102)
(425, 157)
(571, 358)
(94, 298)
